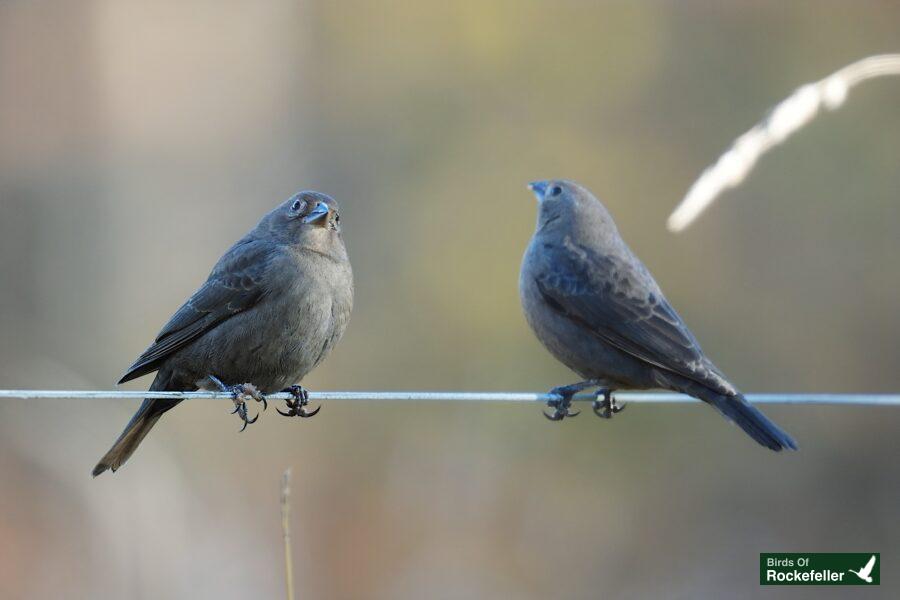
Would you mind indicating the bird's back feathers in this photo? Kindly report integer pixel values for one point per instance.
(237, 282)
(619, 301)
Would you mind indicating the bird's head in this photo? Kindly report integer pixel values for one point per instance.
(307, 218)
(569, 207)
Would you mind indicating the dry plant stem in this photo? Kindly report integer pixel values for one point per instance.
(787, 117)
(286, 533)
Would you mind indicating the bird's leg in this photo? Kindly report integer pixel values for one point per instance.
(297, 406)
(239, 394)
(563, 406)
(607, 407)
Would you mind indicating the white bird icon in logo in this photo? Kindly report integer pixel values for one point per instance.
(866, 572)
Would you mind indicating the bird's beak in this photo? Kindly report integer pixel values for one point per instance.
(538, 188)
(320, 211)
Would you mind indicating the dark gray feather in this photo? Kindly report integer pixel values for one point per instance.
(235, 284)
(620, 302)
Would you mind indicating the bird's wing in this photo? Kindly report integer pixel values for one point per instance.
(617, 299)
(867, 570)
(235, 284)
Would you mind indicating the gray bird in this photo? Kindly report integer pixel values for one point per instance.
(598, 310)
(271, 310)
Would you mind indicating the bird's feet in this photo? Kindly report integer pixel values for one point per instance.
(297, 406)
(239, 395)
(606, 407)
(562, 407)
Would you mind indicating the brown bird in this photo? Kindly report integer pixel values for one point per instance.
(598, 310)
(271, 310)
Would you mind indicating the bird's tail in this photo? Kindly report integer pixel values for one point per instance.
(136, 430)
(755, 424)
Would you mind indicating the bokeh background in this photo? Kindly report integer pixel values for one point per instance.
(139, 139)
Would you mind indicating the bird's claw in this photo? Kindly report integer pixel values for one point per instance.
(242, 413)
(562, 408)
(607, 407)
(297, 406)
(239, 394)
(559, 413)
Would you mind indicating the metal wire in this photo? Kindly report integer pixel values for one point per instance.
(644, 397)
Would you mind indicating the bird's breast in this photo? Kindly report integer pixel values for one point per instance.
(315, 312)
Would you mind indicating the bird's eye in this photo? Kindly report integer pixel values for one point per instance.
(296, 205)
(555, 190)
(337, 219)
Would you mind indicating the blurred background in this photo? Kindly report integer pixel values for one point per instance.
(139, 139)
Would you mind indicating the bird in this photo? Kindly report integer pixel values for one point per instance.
(271, 310)
(597, 309)
(866, 572)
